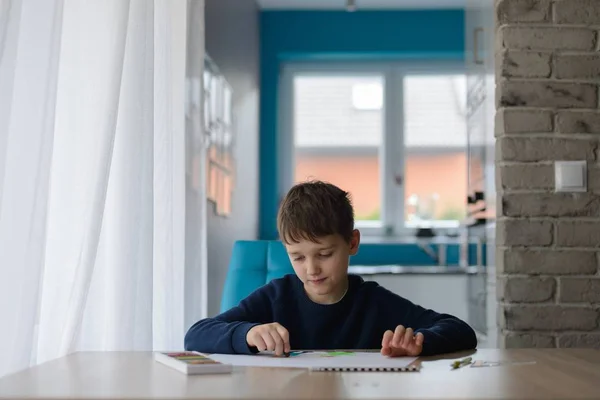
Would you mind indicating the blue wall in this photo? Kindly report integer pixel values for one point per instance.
(339, 35)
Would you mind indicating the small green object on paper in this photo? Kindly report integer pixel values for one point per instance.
(338, 353)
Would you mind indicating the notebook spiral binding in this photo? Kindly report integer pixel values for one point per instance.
(410, 368)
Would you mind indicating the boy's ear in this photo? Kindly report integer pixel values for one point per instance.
(354, 242)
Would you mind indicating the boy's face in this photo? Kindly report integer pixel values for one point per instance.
(323, 266)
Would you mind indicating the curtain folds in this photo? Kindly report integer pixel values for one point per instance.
(94, 194)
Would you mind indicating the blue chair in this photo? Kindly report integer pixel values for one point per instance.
(253, 264)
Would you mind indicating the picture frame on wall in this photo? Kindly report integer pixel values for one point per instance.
(218, 124)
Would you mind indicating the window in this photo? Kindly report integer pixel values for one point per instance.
(392, 135)
(435, 143)
(336, 141)
(367, 95)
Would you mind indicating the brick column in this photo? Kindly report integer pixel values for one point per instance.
(548, 244)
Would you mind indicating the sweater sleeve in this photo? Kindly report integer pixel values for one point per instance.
(226, 333)
(443, 333)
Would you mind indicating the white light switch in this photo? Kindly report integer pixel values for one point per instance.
(570, 176)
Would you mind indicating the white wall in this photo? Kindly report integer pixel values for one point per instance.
(232, 41)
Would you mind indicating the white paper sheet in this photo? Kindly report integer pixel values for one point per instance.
(319, 360)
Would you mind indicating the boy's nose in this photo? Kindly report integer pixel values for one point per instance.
(313, 269)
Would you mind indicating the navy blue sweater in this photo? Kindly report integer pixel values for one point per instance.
(358, 321)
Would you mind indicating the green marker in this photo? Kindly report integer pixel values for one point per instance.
(461, 363)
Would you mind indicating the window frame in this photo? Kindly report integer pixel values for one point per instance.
(392, 223)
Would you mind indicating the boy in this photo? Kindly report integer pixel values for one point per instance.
(321, 306)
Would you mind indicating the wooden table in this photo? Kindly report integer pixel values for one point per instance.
(557, 373)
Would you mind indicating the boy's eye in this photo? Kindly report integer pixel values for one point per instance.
(299, 258)
(325, 255)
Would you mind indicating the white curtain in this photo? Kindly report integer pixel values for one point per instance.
(94, 150)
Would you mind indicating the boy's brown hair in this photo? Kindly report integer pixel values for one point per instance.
(314, 209)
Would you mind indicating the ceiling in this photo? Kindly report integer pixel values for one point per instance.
(360, 4)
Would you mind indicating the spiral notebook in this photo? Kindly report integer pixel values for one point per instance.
(324, 361)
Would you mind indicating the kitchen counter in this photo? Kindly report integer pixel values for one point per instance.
(413, 270)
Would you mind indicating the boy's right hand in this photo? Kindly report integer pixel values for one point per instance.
(269, 337)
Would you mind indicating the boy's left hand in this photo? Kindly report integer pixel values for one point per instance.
(402, 342)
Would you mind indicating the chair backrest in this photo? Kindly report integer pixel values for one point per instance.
(253, 264)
